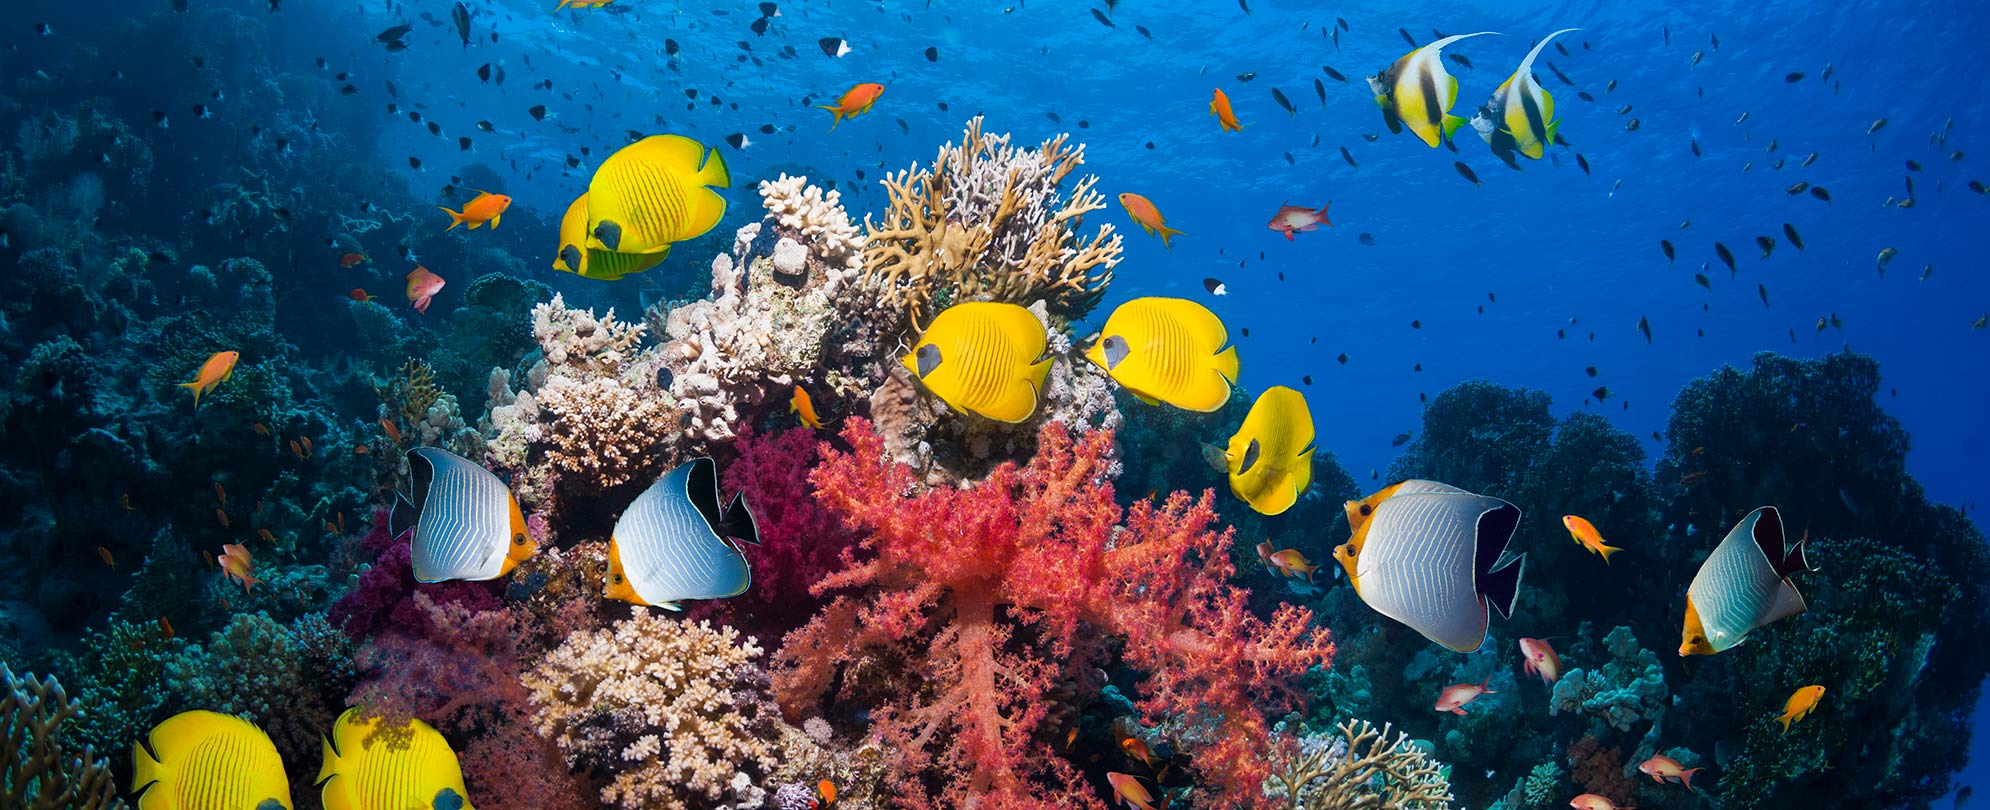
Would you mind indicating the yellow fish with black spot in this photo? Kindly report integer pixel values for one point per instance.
(202, 760)
(412, 767)
(1168, 350)
(985, 358)
(1417, 92)
(654, 192)
(577, 258)
(1270, 459)
(1520, 116)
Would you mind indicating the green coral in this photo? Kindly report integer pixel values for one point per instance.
(290, 681)
(118, 673)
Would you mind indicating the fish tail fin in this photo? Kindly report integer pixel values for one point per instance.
(832, 111)
(1501, 586)
(455, 218)
(714, 172)
(145, 766)
(331, 766)
(1322, 217)
(195, 388)
(737, 521)
(1686, 777)
(1167, 232)
(1786, 718)
(1226, 364)
(402, 517)
(1452, 123)
(1606, 551)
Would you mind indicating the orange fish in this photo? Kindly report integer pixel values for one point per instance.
(1800, 705)
(393, 431)
(1071, 740)
(1129, 791)
(1219, 106)
(486, 209)
(341, 520)
(306, 441)
(221, 493)
(361, 450)
(855, 102)
(422, 287)
(1693, 476)
(109, 560)
(1454, 697)
(219, 366)
(1591, 801)
(360, 294)
(260, 429)
(1661, 768)
(296, 449)
(125, 499)
(330, 529)
(1291, 563)
(237, 564)
(266, 535)
(826, 790)
(1147, 216)
(221, 515)
(1588, 537)
(1539, 658)
(1291, 219)
(167, 627)
(801, 404)
(1136, 748)
(350, 259)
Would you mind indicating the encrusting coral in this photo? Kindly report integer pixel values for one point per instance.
(1362, 769)
(36, 772)
(989, 221)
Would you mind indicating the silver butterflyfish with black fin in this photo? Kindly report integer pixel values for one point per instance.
(675, 541)
(1433, 557)
(466, 523)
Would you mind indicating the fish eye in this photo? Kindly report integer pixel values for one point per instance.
(1367, 510)
(518, 539)
(615, 578)
(1115, 350)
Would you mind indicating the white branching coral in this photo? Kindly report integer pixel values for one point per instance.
(820, 221)
(668, 709)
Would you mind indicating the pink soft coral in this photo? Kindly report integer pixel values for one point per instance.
(981, 601)
(384, 596)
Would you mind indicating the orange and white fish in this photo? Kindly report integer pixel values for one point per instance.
(349, 260)
(801, 404)
(486, 209)
(1661, 768)
(855, 101)
(237, 564)
(1291, 563)
(1226, 118)
(1800, 705)
(1539, 658)
(1147, 216)
(1591, 801)
(1454, 697)
(422, 287)
(219, 366)
(1588, 537)
(1294, 218)
(1129, 791)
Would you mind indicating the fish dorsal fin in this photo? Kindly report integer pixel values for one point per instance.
(701, 488)
(1527, 65)
(1437, 48)
(1765, 527)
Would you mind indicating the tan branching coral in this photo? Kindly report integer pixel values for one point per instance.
(35, 772)
(414, 390)
(668, 711)
(1363, 769)
(988, 221)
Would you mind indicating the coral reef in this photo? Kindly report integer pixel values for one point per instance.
(37, 772)
(1361, 767)
(289, 680)
(1624, 691)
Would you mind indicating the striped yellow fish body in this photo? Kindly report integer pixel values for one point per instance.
(654, 192)
(576, 257)
(985, 358)
(421, 774)
(1417, 92)
(672, 544)
(1744, 584)
(1270, 459)
(1429, 555)
(202, 760)
(1168, 350)
(1520, 116)
(467, 525)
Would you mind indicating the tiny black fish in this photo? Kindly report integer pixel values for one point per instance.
(463, 144)
(1143, 32)
(932, 54)
(1582, 161)
(1247, 76)
(1342, 358)
(1406, 36)
(1767, 244)
(414, 162)
(1465, 172)
(1333, 74)
(1591, 371)
(833, 46)
(1727, 256)
(1103, 20)
(1793, 78)
(1279, 96)
(1367, 239)
(1821, 193)
(1348, 157)
(1400, 440)
(538, 112)
(1790, 233)
(1666, 245)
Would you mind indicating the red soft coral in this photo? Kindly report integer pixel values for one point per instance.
(384, 595)
(981, 601)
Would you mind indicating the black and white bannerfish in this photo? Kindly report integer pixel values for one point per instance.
(1743, 585)
(1429, 555)
(1520, 116)
(675, 542)
(467, 525)
(1417, 92)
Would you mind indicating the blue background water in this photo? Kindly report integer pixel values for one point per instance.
(1559, 248)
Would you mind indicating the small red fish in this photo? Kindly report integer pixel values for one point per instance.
(260, 429)
(221, 493)
(1662, 768)
(266, 535)
(350, 260)
(1130, 791)
(360, 294)
(393, 430)
(422, 287)
(1539, 658)
(1136, 748)
(361, 450)
(1591, 801)
(237, 564)
(1455, 697)
(825, 790)
(109, 560)
(1291, 219)
(166, 627)
(1290, 563)
(855, 102)
(221, 515)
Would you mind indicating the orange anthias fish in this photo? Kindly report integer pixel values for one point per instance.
(109, 560)
(1455, 696)
(1292, 219)
(1129, 791)
(825, 790)
(1661, 768)
(1588, 537)
(800, 403)
(1591, 801)
(1291, 563)
(349, 260)
(1539, 658)
(1226, 118)
(1147, 216)
(360, 294)
(855, 102)
(486, 209)
(393, 431)
(422, 287)
(1137, 748)
(238, 565)
(221, 493)
(219, 366)
(167, 628)
(260, 429)
(222, 516)
(1800, 705)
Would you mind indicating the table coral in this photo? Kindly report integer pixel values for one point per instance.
(36, 770)
(989, 221)
(979, 602)
(1361, 768)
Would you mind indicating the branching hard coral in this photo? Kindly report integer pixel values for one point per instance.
(1367, 769)
(668, 710)
(36, 772)
(818, 219)
(412, 391)
(988, 221)
(978, 603)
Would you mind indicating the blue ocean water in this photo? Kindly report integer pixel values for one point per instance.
(1525, 278)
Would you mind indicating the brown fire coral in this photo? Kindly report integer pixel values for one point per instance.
(987, 221)
(35, 773)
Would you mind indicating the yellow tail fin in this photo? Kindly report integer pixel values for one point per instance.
(455, 218)
(1606, 551)
(1166, 232)
(834, 110)
(195, 388)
